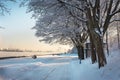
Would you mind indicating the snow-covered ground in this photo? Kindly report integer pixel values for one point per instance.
(64, 67)
(88, 71)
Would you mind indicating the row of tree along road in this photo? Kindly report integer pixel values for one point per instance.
(74, 22)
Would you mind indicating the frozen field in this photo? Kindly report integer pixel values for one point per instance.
(64, 67)
(42, 68)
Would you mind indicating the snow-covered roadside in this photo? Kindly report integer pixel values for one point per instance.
(63, 67)
(89, 71)
(42, 68)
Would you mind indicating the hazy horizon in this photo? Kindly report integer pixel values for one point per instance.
(18, 33)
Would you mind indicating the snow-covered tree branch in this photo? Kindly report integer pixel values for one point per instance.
(3, 7)
(67, 19)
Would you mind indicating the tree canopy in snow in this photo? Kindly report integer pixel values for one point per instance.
(55, 22)
(65, 20)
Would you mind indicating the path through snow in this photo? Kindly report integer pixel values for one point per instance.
(59, 68)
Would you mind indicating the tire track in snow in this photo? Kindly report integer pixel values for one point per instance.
(49, 74)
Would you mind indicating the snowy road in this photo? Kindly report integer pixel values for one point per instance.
(64, 67)
(43, 68)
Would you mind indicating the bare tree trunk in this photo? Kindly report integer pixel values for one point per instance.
(107, 47)
(118, 35)
(79, 47)
(94, 31)
(98, 42)
(93, 52)
(80, 50)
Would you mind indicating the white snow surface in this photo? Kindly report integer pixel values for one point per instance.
(63, 67)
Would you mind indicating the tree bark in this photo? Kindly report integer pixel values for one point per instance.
(98, 42)
(93, 51)
(118, 35)
(80, 50)
(94, 31)
(107, 46)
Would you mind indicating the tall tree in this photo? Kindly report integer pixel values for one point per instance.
(58, 23)
(97, 15)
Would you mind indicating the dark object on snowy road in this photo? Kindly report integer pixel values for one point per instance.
(34, 56)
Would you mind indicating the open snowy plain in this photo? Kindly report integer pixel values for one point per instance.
(64, 67)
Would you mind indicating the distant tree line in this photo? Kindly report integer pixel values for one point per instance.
(11, 50)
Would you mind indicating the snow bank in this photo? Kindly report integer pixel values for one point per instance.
(89, 71)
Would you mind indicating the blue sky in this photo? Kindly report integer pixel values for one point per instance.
(18, 32)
